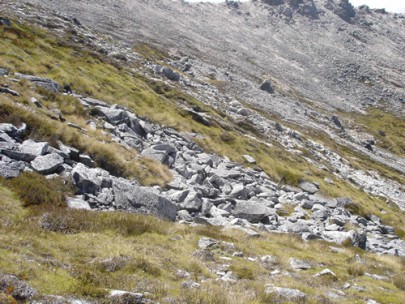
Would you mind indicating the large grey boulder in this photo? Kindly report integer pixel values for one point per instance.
(308, 187)
(113, 114)
(35, 148)
(17, 288)
(8, 129)
(286, 293)
(205, 243)
(10, 170)
(266, 86)
(133, 198)
(3, 71)
(251, 211)
(77, 203)
(170, 74)
(299, 264)
(19, 156)
(48, 164)
(90, 181)
(47, 84)
(163, 153)
(340, 237)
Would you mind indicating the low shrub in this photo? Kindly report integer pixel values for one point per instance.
(399, 282)
(356, 270)
(34, 189)
(7, 299)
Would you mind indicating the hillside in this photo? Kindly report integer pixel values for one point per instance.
(169, 152)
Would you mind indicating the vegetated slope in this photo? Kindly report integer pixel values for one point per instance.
(155, 258)
(321, 58)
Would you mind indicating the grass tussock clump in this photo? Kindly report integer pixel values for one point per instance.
(7, 299)
(69, 221)
(399, 282)
(34, 189)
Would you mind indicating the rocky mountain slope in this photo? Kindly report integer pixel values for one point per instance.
(255, 118)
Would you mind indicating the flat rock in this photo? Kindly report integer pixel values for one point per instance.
(10, 170)
(77, 203)
(251, 211)
(34, 148)
(205, 243)
(47, 84)
(163, 153)
(249, 159)
(89, 180)
(113, 115)
(136, 199)
(20, 290)
(308, 187)
(47, 164)
(299, 264)
(286, 293)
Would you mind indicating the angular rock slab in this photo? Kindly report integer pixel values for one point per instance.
(10, 170)
(286, 293)
(136, 199)
(47, 164)
(47, 84)
(163, 153)
(251, 211)
(34, 148)
(90, 181)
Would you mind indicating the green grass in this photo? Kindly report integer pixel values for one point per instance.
(387, 129)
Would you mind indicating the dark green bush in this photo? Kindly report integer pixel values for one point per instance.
(34, 189)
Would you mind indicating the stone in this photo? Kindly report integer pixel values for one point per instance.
(190, 285)
(122, 296)
(184, 215)
(36, 102)
(269, 259)
(34, 148)
(251, 211)
(229, 277)
(299, 264)
(163, 153)
(286, 293)
(5, 21)
(48, 164)
(19, 156)
(3, 72)
(9, 91)
(170, 74)
(113, 115)
(47, 84)
(179, 196)
(339, 237)
(239, 192)
(86, 160)
(17, 288)
(77, 203)
(325, 272)
(309, 187)
(9, 129)
(205, 243)
(192, 202)
(90, 181)
(93, 102)
(11, 170)
(249, 159)
(278, 127)
(266, 86)
(133, 198)
(337, 122)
